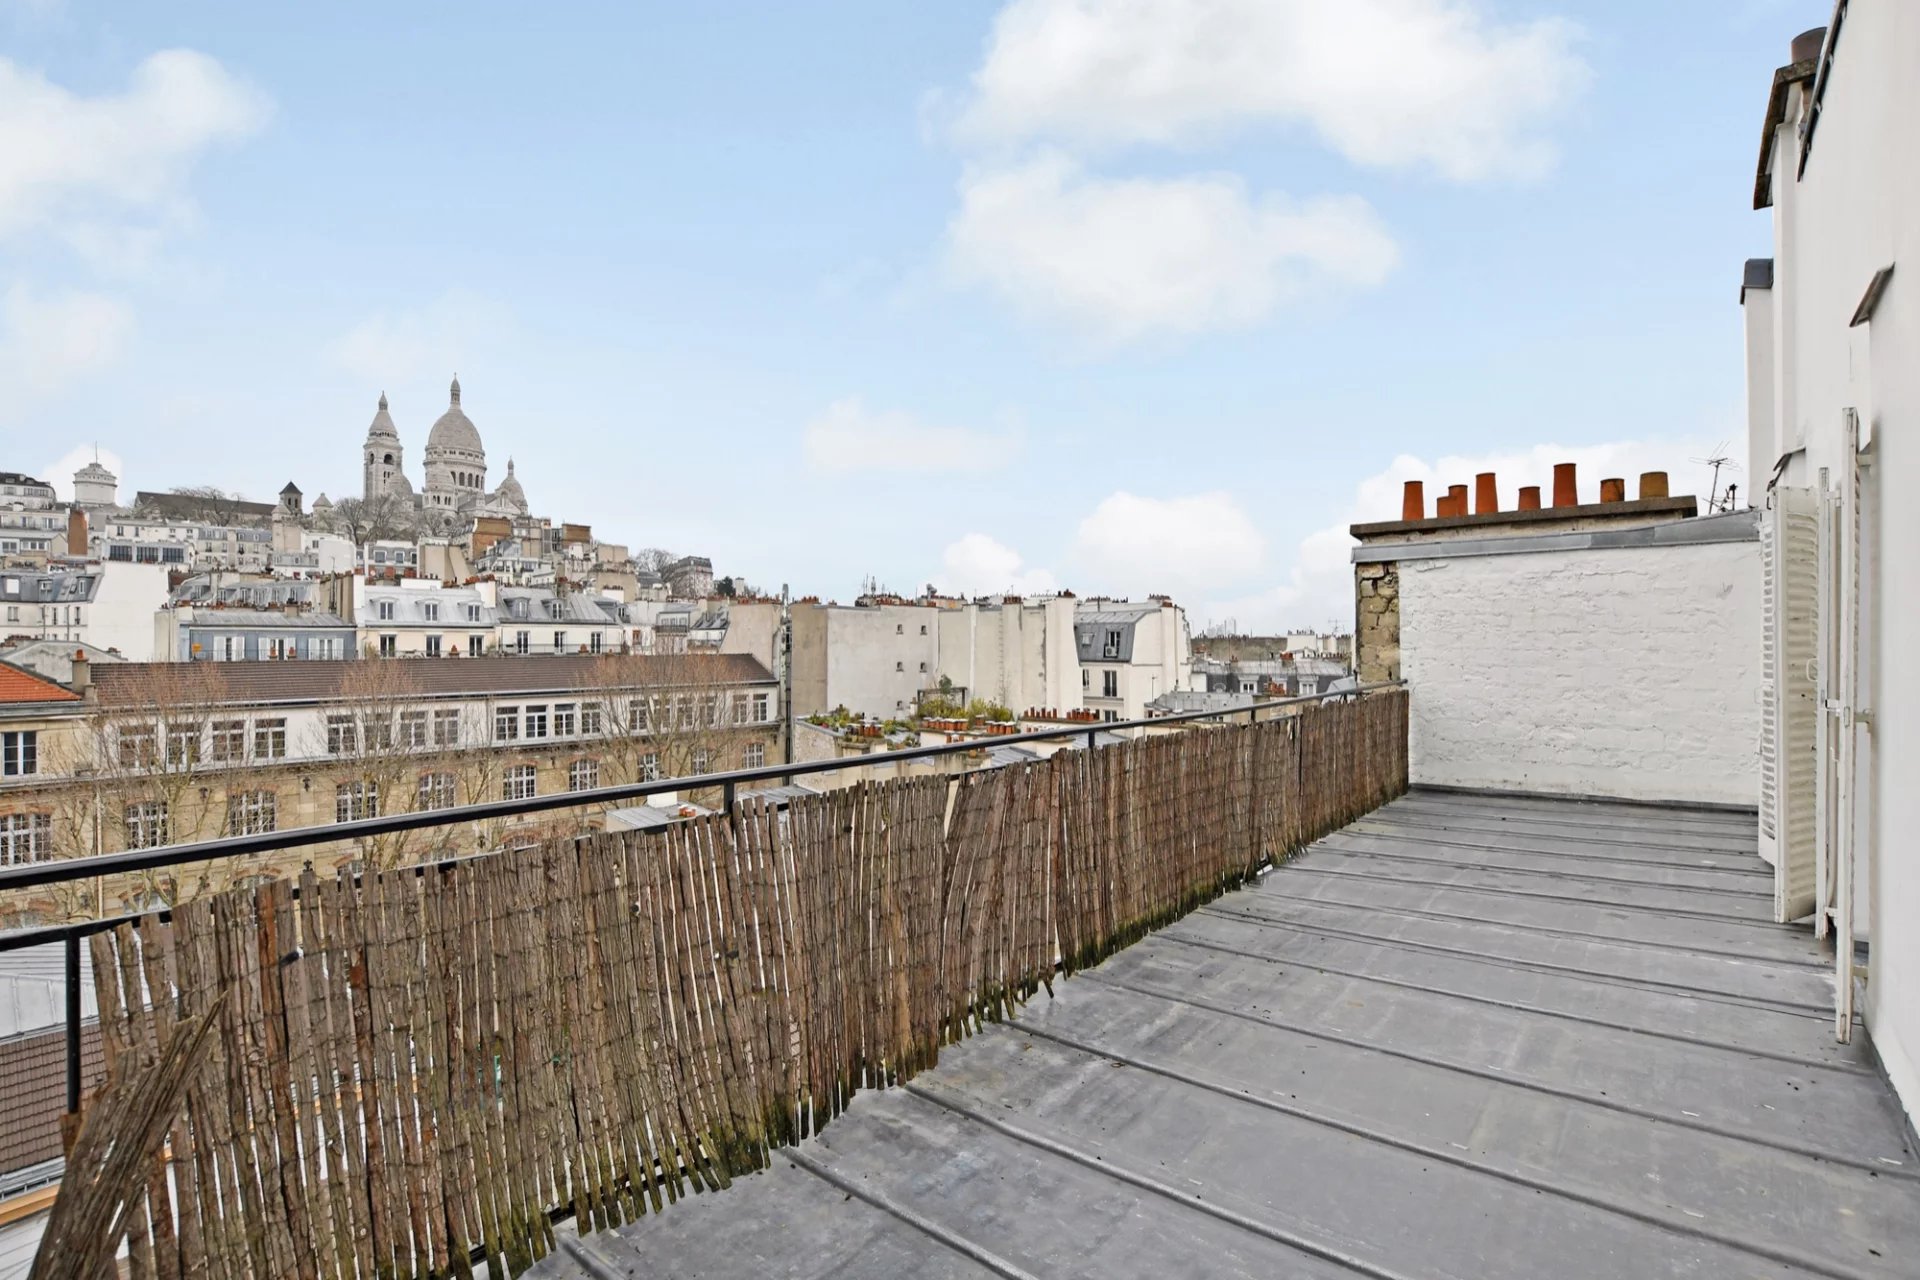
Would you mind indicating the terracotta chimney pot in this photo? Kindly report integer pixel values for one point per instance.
(1566, 489)
(1653, 484)
(1457, 499)
(1530, 498)
(1486, 494)
(1614, 490)
(1413, 502)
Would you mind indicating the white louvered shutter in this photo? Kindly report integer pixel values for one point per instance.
(1794, 624)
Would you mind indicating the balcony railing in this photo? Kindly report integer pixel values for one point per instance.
(416, 1069)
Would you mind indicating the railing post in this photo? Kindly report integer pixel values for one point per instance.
(73, 1023)
(1092, 736)
(726, 800)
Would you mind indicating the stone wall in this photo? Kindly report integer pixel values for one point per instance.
(1377, 621)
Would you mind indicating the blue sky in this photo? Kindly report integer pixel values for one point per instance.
(1122, 295)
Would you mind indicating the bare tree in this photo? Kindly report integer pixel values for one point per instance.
(653, 560)
(363, 520)
(379, 737)
(665, 715)
(210, 504)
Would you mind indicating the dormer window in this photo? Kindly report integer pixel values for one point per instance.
(385, 608)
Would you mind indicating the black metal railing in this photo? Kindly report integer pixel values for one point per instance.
(65, 870)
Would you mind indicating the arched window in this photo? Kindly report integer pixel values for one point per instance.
(388, 459)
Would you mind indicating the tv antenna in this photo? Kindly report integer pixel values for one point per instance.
(1716, 501)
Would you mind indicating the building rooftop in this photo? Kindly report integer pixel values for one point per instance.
(441, 677)
(19, 687)
(1467, 1035)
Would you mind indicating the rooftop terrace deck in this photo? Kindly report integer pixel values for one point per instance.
(1465, 1036)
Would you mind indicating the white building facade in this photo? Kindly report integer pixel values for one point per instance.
(1833, 328)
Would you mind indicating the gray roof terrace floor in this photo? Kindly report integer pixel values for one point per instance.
(1466, 1036)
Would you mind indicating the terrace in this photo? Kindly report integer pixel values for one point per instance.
(1081, 1016)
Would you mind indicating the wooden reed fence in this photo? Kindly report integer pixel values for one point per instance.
(408, 1068)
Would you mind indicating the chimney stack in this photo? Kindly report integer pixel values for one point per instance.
(1653, 484)
(82, 678)
(1413, 502)
(1614, 490)
(1530, 498)
(1566, 489)
(1486, 494)
(76, 531)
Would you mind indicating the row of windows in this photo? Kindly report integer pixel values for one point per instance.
(1109, 682)
(271, 648)
(28, 837)
(147, 746)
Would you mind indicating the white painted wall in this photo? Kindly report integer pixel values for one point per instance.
(1855, 210)
(1630, 672)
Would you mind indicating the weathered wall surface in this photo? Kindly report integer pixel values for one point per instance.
(1630, 672)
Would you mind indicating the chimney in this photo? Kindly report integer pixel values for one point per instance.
(1486, 494)
(1614, 490)
(82, 679)
(1413, 502)
(1456, 499)
(1530, 498)
(1566, 489)
(1807, 45)
(1653, 484)
(76, 531)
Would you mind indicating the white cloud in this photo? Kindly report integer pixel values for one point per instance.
(84, 165)
(1175, 546)
(1122, 259)
(47, 341)
(851, 437)
(439, 339)
(59, 472)
(1320, 584)
(978, 565)
(1439, 84)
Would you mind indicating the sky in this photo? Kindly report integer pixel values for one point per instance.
(1121, 296)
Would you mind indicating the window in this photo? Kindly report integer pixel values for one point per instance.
(565, 719)
(183, 743)
(20, 753)
(229, 649)
(146, 824)
(754, 755)
(250, 813)
(522, 641)
(433, 646)
(229, 740)
(650, 767)
(25, 837)
(709, 709)
(559, 642)
(923, 628)
(270, 739)
(899, 629)
(413, 729)
(899, 666)
(389, 646)
(473, 613)
(583, 775)
(519, 783)
(446, 727)
(594, 643)
(506, 724)
(1086, 678)
(353, 801)
(430, 611)
(436, 791)
(475, 646)
(759, 708)
(701, 759)
(1110, 684)
(640, 714)
(923, 668)
(592, 720)
(741, 711)
(343, 738)
(518, 607)
(329, 647)
(537, 721)
(384, 610)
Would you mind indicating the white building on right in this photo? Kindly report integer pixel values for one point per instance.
(1833, 361)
